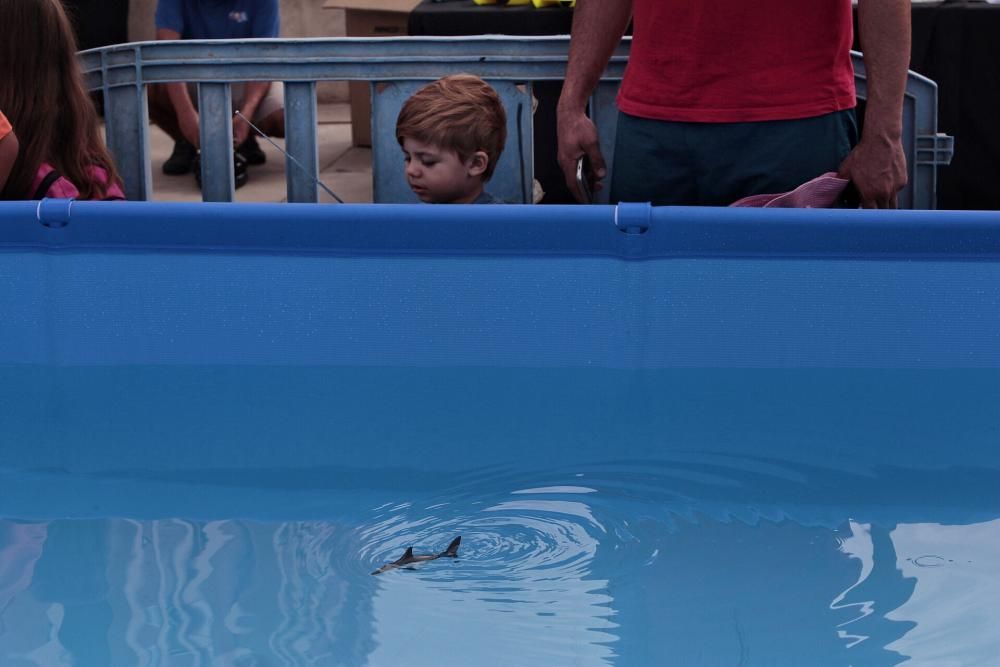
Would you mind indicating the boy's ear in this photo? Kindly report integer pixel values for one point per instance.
(477, 163)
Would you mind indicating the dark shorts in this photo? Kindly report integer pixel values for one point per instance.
(714, 164)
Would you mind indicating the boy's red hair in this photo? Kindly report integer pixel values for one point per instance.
(461, 113)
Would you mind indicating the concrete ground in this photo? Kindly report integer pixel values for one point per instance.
(343, 168)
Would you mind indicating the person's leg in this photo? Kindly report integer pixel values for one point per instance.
(652, 162)
(162, 114)
(737, 160)
(269, 119)
(161, 111)
(273, 125)
(270, 115)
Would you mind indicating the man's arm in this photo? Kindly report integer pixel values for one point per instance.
(598, 26)
(877, 165)
(254, 93)
(187, 115)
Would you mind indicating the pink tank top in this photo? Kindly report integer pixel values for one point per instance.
(50, 183)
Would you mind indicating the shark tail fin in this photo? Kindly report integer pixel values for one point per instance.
(452, 550)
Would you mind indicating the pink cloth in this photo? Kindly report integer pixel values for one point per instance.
(821, 192)
(63, 188)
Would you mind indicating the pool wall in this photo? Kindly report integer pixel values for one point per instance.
(611, 287)
(147, 343)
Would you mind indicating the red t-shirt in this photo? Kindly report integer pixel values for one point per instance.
(727, 61)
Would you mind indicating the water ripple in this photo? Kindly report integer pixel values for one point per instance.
(521, 538)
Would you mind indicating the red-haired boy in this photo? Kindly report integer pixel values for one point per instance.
(452, 132)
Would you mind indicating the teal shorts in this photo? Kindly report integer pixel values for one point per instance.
(714, 164)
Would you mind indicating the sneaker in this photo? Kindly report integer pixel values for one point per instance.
(181, 159)
(240, 173)
(251, 150)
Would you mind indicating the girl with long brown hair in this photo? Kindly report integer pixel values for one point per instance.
(42, 94)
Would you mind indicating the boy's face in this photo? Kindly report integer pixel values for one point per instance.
(438, 176)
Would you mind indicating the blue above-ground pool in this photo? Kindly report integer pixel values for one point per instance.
(666, 436)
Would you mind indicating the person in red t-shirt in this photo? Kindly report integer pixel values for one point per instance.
(730, 98)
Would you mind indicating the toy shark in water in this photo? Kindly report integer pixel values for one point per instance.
(409, 559)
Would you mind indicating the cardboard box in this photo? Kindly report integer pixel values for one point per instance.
(370, 18)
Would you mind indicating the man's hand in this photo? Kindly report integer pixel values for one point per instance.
(189, 125)
(241, 130)
(598, 26)
(252, 96)
(578, 137)
(877, 167)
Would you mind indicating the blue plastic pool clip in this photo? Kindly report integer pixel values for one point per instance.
(633, 218)
(54, 213)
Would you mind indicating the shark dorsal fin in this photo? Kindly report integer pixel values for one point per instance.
(452, 550)
(405, 558)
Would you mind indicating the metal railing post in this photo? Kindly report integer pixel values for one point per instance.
(127, 130)
(216, 125)
(300, 133)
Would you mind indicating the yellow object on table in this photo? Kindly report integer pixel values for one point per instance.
(536, 3)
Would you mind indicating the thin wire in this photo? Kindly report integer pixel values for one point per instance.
(287, 156)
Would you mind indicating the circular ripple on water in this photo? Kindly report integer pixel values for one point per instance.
(533, 534)
(538, 525)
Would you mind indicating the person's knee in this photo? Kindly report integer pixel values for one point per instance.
(156, 96)
(273, 124)
(161, 111)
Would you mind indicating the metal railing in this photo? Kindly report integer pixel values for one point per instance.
(395, 67)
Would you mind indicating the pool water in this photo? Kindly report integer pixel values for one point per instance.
(232, 515)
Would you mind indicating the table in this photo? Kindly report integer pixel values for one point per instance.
(953, 44)
(464, 17)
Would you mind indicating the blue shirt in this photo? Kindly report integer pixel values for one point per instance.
(486, 198)
(219, 19)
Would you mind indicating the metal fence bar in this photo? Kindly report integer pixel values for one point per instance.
(521, 133)
(924, 170)
(300, 132)
(362, 59)
(125, 111)
(216, 125)
(387, 100)
(604, 113)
